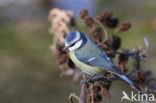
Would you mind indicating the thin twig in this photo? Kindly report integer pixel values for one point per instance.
(83, 90)
(122, 53)
(137, 61)
(104, 29)
(92, 93)
(73, 95)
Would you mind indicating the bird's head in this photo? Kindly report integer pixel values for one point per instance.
(75, 40)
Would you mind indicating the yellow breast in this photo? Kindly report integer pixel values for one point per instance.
(84, 67)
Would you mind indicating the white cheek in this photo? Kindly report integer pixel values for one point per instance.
(76, 46)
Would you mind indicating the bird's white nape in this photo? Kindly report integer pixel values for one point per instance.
(76, 46)
(77, 37)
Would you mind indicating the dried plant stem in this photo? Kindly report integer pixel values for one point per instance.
(92, 93)
(83, 90)
(104, 29)
(137, 61)
(99, 44)
(73, 95)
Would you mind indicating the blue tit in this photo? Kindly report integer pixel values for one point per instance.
(89, 57)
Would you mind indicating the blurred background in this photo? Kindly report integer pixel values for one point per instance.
(28, 69)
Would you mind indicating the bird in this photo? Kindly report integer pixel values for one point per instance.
(90, 58)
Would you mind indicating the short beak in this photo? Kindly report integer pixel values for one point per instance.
(65, 48)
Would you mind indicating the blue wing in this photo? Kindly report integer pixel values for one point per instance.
(92, 55)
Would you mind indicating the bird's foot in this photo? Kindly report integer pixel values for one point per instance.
(132, 74)
(84, 81)
(87, 80)
(81, 72)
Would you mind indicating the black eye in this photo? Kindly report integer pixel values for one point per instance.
(72, 44)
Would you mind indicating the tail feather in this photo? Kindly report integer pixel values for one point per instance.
(125, 78)
(128, 80)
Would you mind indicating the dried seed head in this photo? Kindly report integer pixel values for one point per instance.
(104, 16)
(124, 58)
(148, 73)
(96, 88)
(59, 47)
(70, 64)
(124, 26)
(98, 98)
(116, 42)
(89, 21)
(83, 13)
(140, 77)
(72, 22)
(62, 59)
(97, 33)
(59, 50)
(113, 22)
(105, 92)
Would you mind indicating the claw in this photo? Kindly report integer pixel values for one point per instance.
(131, 74)
(81, 72)
(84, 81)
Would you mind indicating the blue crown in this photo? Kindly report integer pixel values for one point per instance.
(72, 35)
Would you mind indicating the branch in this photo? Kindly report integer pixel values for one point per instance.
(103, 78)
(83, 90)
(137, 61)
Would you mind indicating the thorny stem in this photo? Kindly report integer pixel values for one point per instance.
(83, 90)
(104, 29)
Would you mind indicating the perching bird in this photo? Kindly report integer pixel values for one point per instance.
(89, 57)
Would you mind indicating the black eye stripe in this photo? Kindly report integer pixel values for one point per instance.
(74, 43)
